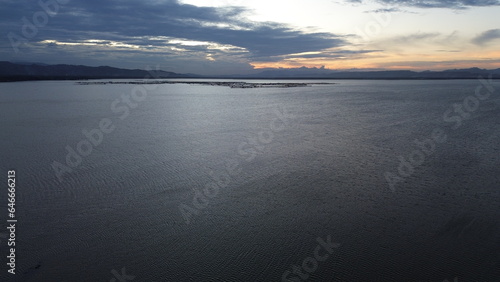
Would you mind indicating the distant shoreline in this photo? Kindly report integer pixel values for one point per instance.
(231, 84)
(65, 78)
(11, 72)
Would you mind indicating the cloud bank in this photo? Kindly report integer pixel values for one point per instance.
(451, 4)
(164, 26)
(486, 37)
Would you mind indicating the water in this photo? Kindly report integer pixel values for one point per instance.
(293, 165)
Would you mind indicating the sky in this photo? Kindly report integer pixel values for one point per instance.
(220, 37)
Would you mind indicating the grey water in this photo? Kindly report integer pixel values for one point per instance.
(206, 183)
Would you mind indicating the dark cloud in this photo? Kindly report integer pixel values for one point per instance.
(333, 54)
(389, 10)
(416, 37)
(139, 22)
(486, 37)
(385, 10)
(323, 55)
(452, 4)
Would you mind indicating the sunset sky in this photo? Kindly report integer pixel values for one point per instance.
(236, 36)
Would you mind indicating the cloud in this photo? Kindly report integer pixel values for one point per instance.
(420, 41)
(331, 54)
(488, 63)
(141, 23)
(416, 37)
(486, 37)
(451, 4)
(389, 10)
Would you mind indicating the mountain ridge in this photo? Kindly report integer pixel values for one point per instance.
(35, 71)
(17, 72)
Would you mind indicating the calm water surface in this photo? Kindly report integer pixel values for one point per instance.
(206, 183)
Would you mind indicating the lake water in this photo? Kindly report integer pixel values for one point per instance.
(184, 182)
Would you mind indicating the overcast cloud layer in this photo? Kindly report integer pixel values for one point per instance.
(152, 23)
(189, 38)
(450, 4)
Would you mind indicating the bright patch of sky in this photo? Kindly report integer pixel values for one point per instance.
(401, 33)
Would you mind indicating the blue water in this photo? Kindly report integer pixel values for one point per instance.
(208, 183)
